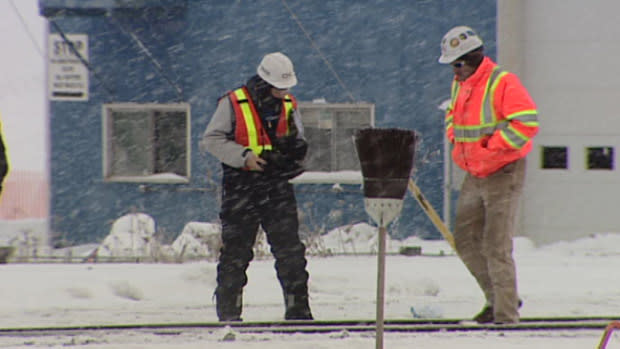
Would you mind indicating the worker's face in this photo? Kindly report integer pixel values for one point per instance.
(461, 70)
(279, 93)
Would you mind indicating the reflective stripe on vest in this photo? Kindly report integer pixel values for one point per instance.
(454, 91)
(488, 124)
(488, 118)
(249, 130)
(289, 104)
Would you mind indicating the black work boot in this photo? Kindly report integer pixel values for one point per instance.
(228, 305)
(297, 307)
(485, 316)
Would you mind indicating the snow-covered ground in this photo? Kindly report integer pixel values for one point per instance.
(563, 279)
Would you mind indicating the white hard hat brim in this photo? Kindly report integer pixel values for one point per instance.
(447, 59)
(292, 81)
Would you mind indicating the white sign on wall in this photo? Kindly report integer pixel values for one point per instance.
(68, 76)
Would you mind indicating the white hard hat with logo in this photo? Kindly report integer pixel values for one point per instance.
(457, 42)
(277, 70)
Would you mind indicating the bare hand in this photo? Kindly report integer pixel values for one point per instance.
(254, 163)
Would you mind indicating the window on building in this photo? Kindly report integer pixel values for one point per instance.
(329, 130)
(600, 158)
(554, 158)
(146, 143)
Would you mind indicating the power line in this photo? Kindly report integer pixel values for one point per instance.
(316, 47)
(27, 29)
(148, 53)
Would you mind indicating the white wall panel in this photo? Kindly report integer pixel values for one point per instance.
(566, 52)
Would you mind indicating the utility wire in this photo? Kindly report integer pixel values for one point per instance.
(27, 29)
(146, 52)
(316, 47)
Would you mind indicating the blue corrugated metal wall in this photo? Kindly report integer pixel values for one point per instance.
(384, 51)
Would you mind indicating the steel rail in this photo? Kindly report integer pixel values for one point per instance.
(407, 325)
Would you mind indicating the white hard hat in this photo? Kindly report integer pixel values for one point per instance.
(277, 70)
(457, 42)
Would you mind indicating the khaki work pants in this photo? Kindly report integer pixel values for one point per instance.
(484, 227)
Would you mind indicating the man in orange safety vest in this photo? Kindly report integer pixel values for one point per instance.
(490, 122)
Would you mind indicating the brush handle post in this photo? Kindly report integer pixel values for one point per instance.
(380, 286)
(431, 213)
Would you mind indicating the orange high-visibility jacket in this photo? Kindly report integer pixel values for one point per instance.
(249, 130)
(491, 120)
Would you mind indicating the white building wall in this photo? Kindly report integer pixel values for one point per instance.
(567, 53)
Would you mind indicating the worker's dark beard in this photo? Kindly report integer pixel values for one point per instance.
(473, 58)
(260, 91)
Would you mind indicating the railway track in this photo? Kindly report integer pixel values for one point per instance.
(283, 327)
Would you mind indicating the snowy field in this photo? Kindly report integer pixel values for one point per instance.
(576, 278)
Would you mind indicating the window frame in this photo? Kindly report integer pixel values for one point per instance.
(334, 108)
(150, 108)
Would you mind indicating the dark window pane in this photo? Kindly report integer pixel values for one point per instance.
(554, 158)
(131, 144)
(347, 123)
(319, 156)
(170, 142)
(600, 158)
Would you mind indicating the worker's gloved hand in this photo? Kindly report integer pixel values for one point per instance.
(275, 160)
(281, 165)
(291, 146)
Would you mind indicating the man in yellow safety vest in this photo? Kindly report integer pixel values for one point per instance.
(256, 133)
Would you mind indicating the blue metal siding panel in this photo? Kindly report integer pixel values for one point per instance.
(51, 8)
(109, 4)
(384, 51)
